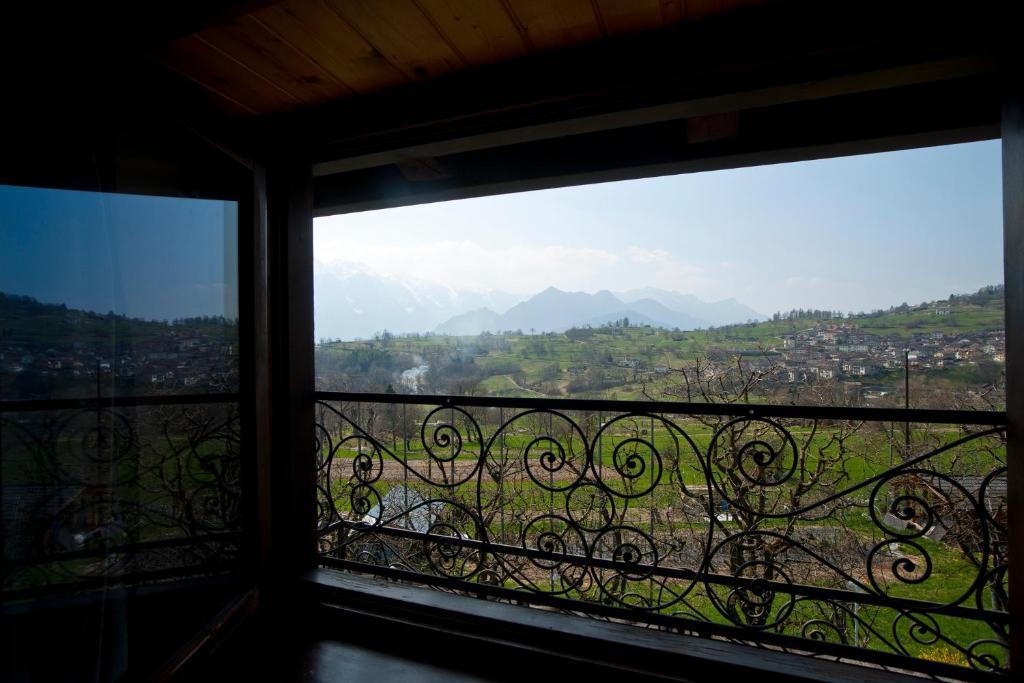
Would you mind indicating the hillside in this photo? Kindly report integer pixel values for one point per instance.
(51, 351)
(957, 345)
(556, 311)
(33, 323)
(352, 301)
(960, 314)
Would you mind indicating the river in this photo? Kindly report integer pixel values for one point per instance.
(411, 378)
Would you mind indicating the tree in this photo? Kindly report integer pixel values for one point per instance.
(761, 470)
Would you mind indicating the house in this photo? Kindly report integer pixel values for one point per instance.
(793, 375)
(954, 522)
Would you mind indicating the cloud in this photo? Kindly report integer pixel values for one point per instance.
(474, 265)
(803, 282)
(468, 264)
(664, 270)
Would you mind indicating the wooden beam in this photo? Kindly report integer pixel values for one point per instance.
(420, 620)
(290, 220)
(895, 77)
(1013, 265)
(188, 660)
(930, 114)
(257, 415)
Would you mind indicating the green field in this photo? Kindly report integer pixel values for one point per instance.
(645, 363)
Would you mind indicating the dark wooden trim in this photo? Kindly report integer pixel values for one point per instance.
(255, 382)
(941, 112)
(1013, 264)
(408, 619)
(148, 154)
(718, 102)
(189, 657)
(331, 202)
(290, 221)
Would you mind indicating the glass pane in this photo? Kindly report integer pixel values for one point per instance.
(762, 323)
(122, 522)
(109, 294)
(842, 281)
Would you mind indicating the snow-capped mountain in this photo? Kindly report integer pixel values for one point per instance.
(352, 301)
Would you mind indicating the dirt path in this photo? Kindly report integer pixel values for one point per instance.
(513, 382)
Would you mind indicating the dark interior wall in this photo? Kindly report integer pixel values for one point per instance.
(106, 635)
(133, 150)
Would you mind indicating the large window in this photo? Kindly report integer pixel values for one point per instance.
(119, 422)
(827, 281)
(683, 402)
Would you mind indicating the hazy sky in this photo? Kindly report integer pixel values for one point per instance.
(147, 257)
(851, 233)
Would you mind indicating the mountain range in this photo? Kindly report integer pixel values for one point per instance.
(352, 301)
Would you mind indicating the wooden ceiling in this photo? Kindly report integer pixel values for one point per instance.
(294, 54)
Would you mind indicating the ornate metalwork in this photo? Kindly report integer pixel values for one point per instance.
(118, 494)
(808, 532)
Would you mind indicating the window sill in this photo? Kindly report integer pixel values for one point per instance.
(531, 639)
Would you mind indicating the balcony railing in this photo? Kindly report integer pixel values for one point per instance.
(867, 535)
(106, 492)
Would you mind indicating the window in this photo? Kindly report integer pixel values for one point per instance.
(682, 401)
(119, 426)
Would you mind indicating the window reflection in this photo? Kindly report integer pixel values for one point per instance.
(109, 294)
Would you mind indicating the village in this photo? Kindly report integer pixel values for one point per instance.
(844, 351)
(179, 359)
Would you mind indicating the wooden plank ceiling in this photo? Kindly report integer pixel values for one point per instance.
(298, 53)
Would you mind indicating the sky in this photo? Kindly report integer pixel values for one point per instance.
(849, 233)
(157, 258)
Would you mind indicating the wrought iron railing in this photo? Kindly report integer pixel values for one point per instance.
(837, 532)
(102, 492)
